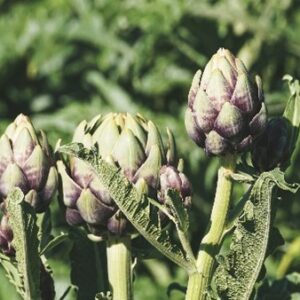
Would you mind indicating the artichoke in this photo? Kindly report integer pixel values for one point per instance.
(6, 237)
(171, 178)
(129, 142)
(225, 107)
(271, 149)
(26, 162)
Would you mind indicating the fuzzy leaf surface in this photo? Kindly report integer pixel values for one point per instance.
(22, 220)
(130, 203)
(240, 268)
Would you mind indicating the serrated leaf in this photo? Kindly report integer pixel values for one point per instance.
(129, 202)
(22, 220)
(54, 242)
(179, 212)
(11, 272)
(238, 271)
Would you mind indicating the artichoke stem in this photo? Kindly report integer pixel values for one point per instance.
(210, 245)
(119, 267)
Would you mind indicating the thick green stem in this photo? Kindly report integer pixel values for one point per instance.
(119, 267)
(210, 245)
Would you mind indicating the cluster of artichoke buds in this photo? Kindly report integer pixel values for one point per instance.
(26, 162)
(225, 107)
(271, 149)
(131, 143)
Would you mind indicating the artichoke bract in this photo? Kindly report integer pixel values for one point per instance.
(129, 142)
(226, 109)
(26, 162)
(6, 237)
(271, 149)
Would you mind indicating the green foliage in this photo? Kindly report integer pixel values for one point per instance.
(239, 270)
(63, 61)
(23, 223)
(136, 209)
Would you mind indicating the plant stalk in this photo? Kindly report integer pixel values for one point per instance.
(119, 267)
(210, 244)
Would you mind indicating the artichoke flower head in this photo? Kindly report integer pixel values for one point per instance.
(26, 162)
(225, 110)
(129, 142)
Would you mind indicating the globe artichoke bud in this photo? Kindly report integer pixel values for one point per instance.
(225, 107)
(129, 142)
(6, 237)
(271, 149)
(171, 178)
(26, 162)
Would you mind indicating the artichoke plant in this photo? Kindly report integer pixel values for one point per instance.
(129, 142)
(226, 109)
(271, 149)
(26, 162)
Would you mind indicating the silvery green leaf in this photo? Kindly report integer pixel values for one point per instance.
(239, 269)
(23, 223)
(129, 202)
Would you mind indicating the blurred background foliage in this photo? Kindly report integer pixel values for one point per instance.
(62, 61)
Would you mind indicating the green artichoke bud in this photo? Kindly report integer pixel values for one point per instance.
(26, 162)
(129, 142)
(6, 237)
(225, 107)
(271, 149)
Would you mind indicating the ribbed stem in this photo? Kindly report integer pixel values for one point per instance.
(119, 267)
(210, 245)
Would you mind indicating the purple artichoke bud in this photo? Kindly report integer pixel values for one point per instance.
(26, 162)
(271, 149)
(171, 178)
(6, 237)
(129, 142)
(225, 107)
